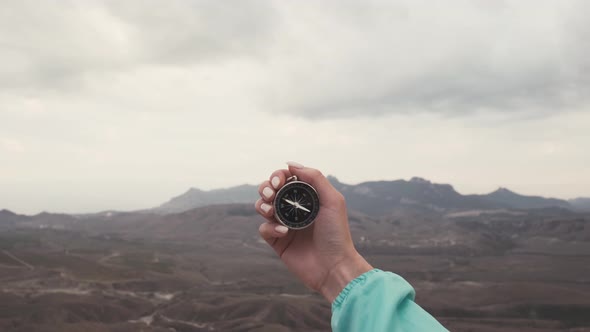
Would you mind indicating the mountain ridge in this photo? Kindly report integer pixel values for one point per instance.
(508, 197)
(7, 216)
(376, 197)
(195, 197)
(373, 198)
(580, 203)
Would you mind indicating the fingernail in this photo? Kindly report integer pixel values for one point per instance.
(275, 182)
(265, 207)
(281, 229)
(294, 164)
(267, 192)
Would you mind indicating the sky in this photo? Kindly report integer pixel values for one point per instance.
(125, 104)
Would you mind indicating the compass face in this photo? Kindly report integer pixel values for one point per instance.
(296, 205)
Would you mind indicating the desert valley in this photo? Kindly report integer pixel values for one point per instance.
(496, 262)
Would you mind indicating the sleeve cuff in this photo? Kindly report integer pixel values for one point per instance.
(360, 280)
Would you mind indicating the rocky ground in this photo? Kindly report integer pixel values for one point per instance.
(206, 270)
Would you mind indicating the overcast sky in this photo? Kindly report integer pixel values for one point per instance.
(124, 104)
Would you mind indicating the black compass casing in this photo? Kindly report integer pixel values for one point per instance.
(296, 205)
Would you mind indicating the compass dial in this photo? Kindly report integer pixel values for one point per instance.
(296, 205)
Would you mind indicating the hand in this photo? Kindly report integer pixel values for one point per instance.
(322, 255)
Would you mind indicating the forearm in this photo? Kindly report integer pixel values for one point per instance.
(342, 273)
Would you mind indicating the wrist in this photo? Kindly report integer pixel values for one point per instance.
(342, 273)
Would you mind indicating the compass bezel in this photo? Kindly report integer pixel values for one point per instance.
(286, 220)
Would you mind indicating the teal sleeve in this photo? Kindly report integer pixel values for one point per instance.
(380, 301)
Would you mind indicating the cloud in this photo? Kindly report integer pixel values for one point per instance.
(137, 100)
(181, 32)
(59, 46)
(313, 60)
(455, 59)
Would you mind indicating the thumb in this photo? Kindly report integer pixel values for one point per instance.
(328, 194)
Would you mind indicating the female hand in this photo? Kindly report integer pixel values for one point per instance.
(322, 255)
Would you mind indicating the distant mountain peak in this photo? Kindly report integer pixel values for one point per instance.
(417, 179)
(9, 216)
(195, 197)
(332, 179)
(512, 199)
(581, 203)
(502, 190)
(5, 211)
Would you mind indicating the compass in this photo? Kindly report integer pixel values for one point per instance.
(296, 204)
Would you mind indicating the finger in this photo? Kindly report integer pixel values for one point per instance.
(265, 209)
(278, 178)
(328, 194)
(266, 192)
(272, 231)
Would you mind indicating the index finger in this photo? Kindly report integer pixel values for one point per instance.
(279, 177)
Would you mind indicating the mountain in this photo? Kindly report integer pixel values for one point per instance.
(510, 199)
(580, 203)
(372, 198)
(194, 198)
(381, 197)
(376, 198)
(41, 220)
(9, 218)
(153, 271)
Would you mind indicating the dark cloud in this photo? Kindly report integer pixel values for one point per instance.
(317, 59)
(515, 57)
(464, 89)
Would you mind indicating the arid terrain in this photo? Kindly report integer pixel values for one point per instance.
(206, 270)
